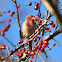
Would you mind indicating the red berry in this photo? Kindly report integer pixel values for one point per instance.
(29, 52)
(32, 57)
(29, 3)
(8, 11)
(36, 7)
(49, 30)
(44, 45)
(19, 41)
(42, 49)
(40, 21)
(51, 22)
(20, 54)
(39, 46)
(3, 30)
(26, 51)
(35, 39)
(36, 46)
(13, 12)
(0, 14)
(46, 28)
(7, 27)
(32, 19)
(53, 25)
(45, 42)
(17, 53)
(20, 50)
(2, 33)
(32, 53)
(35, 49)
(39, 33)
(9, 20)
(30, 60)
(36, 4)
(35, 18)
(3, 46)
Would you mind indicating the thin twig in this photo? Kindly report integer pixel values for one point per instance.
(60, 9)
(9, 41)
(18, 19)
(2, 12)
(51, 46)
(41, 57)
(59, 3)
(36, 55)
(9, 52)
(53, 34)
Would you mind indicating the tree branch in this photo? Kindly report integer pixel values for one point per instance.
(18, 19)
(53, 34)
(9, 41)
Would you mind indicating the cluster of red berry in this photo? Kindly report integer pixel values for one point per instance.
(30, 52)
(19, 54)
(3, 31)
(52, 24)
(40, 47)
(47, 28)
(36, 5)
(11, 14)
(8, 25)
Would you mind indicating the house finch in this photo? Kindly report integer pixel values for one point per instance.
(29, 27)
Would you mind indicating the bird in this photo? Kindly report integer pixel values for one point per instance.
(29, 27)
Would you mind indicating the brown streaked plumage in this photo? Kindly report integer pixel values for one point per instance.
(28, 27)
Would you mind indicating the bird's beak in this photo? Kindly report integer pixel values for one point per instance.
(33, 17)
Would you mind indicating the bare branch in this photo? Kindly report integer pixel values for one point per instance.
(53, 34)
(18, 19)
(41, 57)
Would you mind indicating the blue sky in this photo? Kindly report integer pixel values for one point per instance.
(13, 35)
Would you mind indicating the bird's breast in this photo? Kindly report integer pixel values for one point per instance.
(28, 28)
(29, 23)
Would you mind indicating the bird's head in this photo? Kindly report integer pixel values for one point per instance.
(30, 17)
